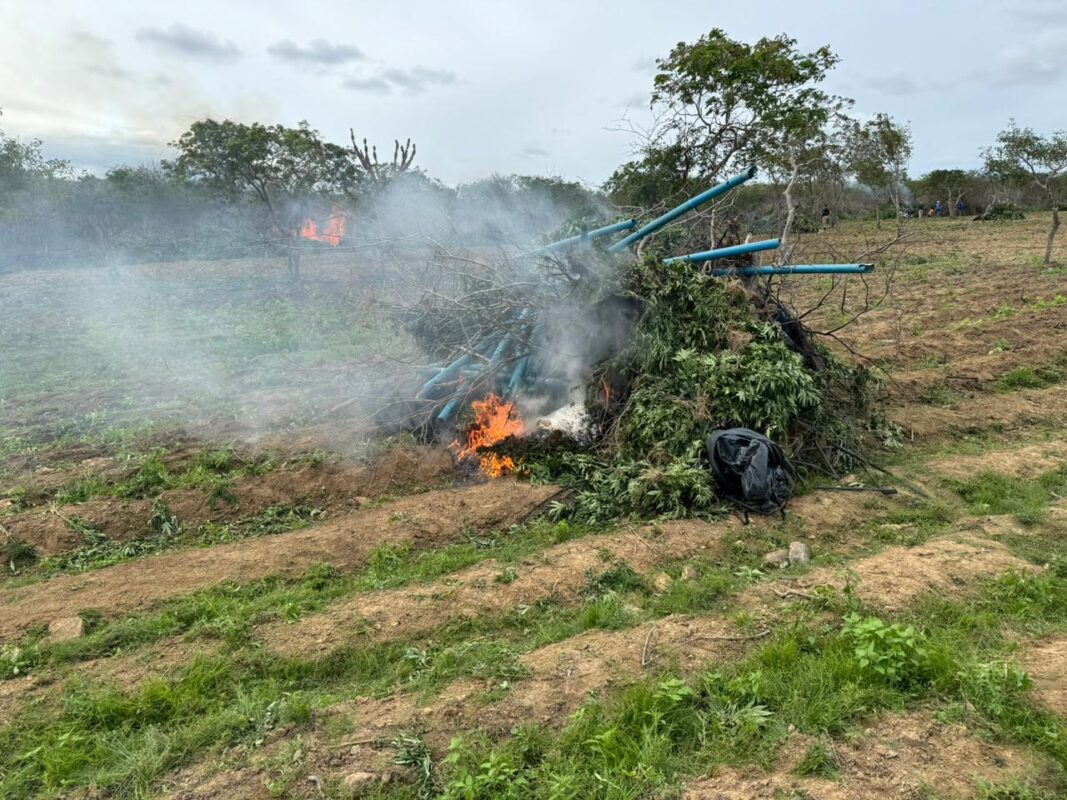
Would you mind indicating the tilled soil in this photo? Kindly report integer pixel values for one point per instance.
(563, 675)
(896, 576)
(330, 489)
(900, 757)
(1029, 461)
(983, 412)
(1046, 662)
(421, 521)
(560, 573)
(956, 336)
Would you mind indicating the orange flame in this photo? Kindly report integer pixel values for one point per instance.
(494, 421)
(332, 232)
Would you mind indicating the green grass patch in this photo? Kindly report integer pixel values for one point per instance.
(212, 470)
(642, 741)
(1027, 378)
(1024, 498)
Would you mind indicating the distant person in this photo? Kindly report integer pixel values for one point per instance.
(930, 213)
(919, 212)
(960, 207)
(825, 219)
(937, 207)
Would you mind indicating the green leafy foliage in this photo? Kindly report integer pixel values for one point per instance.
(894, 652)
(414, 753)
(722, 104)
(701, 359)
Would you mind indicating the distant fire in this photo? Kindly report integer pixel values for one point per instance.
(333, 231)
(494, 421)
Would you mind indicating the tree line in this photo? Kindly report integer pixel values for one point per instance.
(718, 105)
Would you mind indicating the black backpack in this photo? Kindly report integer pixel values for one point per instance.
(750, 470)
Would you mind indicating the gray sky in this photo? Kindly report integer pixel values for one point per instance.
(497, 87)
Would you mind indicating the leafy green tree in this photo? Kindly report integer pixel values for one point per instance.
(728, 102)
(1022, 156)
(23, 167)
(142, 213)
(286, 169)
(877, 154)
(721, 105)
(950, 184)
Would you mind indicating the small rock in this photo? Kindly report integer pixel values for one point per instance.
(777, 558)
(661, 582)
(799, 553)
(689, 573)
(66, 628)
(359, 780)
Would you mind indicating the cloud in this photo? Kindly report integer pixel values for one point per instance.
(182, 40)
(368, 85)
(318, 52)
(418, 79)
(646, 65)
(1042, 12)
(897, 84)
(532, 151)
(96, 56)
(1039, 63)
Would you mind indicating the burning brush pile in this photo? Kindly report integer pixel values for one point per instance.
(607, 372)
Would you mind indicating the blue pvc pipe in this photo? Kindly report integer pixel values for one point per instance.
(517, 375)
(685, 207)
(799, 269)
(499, 352)
(724, 252)
(607, 230)
(450, 370)
(448, 410)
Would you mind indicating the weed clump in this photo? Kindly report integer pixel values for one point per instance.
(705, 354)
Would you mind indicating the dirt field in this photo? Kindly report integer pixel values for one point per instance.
(236, 593)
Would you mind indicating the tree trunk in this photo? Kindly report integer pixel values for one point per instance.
(1052, 235)
(790, 213)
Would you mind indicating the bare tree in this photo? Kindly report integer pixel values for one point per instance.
(379, 173)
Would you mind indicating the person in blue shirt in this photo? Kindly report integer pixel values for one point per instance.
(937, 208)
